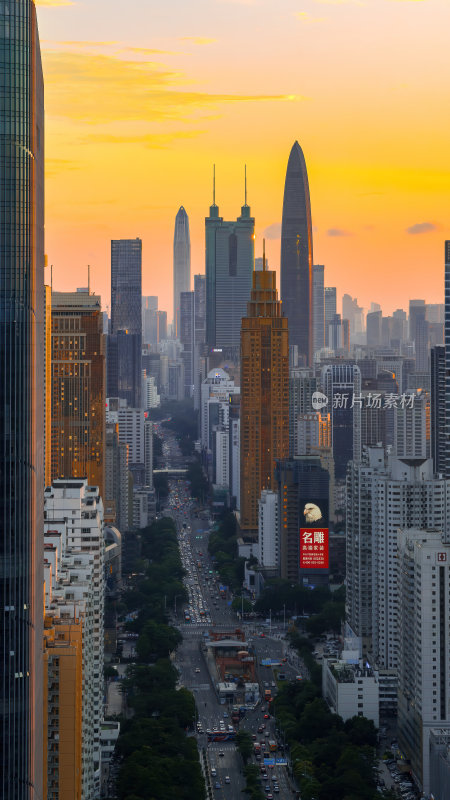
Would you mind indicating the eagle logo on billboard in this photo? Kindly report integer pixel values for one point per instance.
(312, 513)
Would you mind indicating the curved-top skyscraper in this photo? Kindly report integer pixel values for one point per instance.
(297, 255)
(181, 263)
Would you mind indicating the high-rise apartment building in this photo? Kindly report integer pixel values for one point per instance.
(74, 526)
(424, 633)
(318, 301)
(330, 309)
(78, 387)
(21, 400)
(384, 494)
(264, 394)
(438, 407)
(125, 340)
(230, 255)
(297, 256)
(117, 477)
(412, 426)
(181, 264)
(268, 550)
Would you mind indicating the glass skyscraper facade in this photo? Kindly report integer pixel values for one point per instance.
(125, 341)
(22, 350)
(181, 265)
(297, 256)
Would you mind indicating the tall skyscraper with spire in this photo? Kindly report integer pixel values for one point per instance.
(230, 258)
(181, 264)
(22, 349)
(297, 256)
(264, 394)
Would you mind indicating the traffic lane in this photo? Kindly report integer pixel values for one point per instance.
(227, 766)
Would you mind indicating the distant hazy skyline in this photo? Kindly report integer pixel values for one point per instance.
(141, 101)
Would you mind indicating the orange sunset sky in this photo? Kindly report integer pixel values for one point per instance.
(142, 97)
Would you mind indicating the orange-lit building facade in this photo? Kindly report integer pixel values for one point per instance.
(63, 668)
(48, 388)
(78, 388)
(264, 395)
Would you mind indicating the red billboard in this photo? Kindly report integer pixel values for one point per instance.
(314, 548)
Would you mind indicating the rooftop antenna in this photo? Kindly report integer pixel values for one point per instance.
(214, 184)
(89, 278)
(264, 255)
(245, 181)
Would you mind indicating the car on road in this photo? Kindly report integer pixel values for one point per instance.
(227, 779)
(213, 772)
(197, 669)
(218, 785)
(266, 716)
(221, 753)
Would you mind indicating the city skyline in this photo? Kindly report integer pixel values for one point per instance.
(379, 189)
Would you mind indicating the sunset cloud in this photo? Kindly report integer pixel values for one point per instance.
(197, 39)
(273, 231)
(303, 16)
(110, 89)
(338, 232)
(55, 3)
(421, 227)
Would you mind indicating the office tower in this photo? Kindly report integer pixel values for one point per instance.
(297, 256)
(124, 367)
(126, 285)
(181, 264)
(417, 311)
(422, 342)
(150, 320)
(230, 254)
(302, 385)
(374, 307)
(384, 494)
(341, 383)
(301, 481)
(125, 341)
(353, 312)
(48, 388)
(373, 329)
(447, 358)
(78, 387)
(318, 302)
(268, 549)
(330, 309)
(264, 394)
(75, 590)
(339, 335)
(200, 309)
(438, 408)
(186, 335)
(424, 631)
(22, 312)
